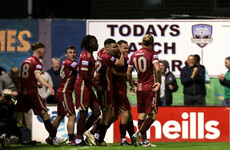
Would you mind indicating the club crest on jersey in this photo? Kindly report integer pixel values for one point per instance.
(155, 56)
(39, 67)
(74, 64)
(202, 34)
(85, 63)
(113, 58)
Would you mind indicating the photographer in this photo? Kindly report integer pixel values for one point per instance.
(7, 105)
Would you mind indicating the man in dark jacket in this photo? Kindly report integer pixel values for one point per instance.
(168, 84)
(193, 79)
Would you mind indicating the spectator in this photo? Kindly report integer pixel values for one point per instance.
(168, 84)
(225, 81)
(197, 62)
(7, 105)
(10, 81)
(2, 70)
(55, 75)
(43, 91)
(193, 79)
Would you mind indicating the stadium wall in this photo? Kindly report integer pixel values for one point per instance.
(17, 36)
(174, 41)
(174, 124)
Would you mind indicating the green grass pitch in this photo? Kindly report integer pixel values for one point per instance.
(160, 146)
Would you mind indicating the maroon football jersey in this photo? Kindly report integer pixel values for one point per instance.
(143, 60)
(28, 82)
(120, 82)
(104, 66)
(68, 74)
(86, 64)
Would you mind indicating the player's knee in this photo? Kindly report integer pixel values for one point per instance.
(72, 117)
(153, 116)
(44, 115)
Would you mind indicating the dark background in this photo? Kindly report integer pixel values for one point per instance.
(116, 9)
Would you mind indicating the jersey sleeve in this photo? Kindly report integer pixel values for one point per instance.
(38, 66)
(154, 57)
(130, 62)
(113, 60)
(84, 64)
(72, 65)
(85, 71)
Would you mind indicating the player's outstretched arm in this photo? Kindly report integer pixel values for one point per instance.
(44, 82)
(157, 78)
(130, 79)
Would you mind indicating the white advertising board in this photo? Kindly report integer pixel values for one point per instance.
(175, 40)
(39, 132)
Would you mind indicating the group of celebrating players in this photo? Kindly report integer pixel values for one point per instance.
(107, 77)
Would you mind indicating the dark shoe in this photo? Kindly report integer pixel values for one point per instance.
(125, 143)
(49, 140)
(26, 142)
(102, 143)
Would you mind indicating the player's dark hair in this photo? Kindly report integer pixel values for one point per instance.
(37, 45)
(121, 42)
(70, 47)
(109, 41)
(197, 58)
(86, 41)
(228, 58)
(147, 40)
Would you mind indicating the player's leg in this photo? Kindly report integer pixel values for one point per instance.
(141, 120)
(66, 108)
(123, 127)
(141, 96)
(82, 96)
(57, 121)
(107, 106)
(92, 134)
(48, 125)
(151, 108)
(81, 128)
(106, 115)
(130, 126)
(94, 106)
(39, 108)
(126, 123)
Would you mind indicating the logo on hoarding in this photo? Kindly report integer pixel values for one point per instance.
(202, 34)
(192, 126)
(183, 126)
